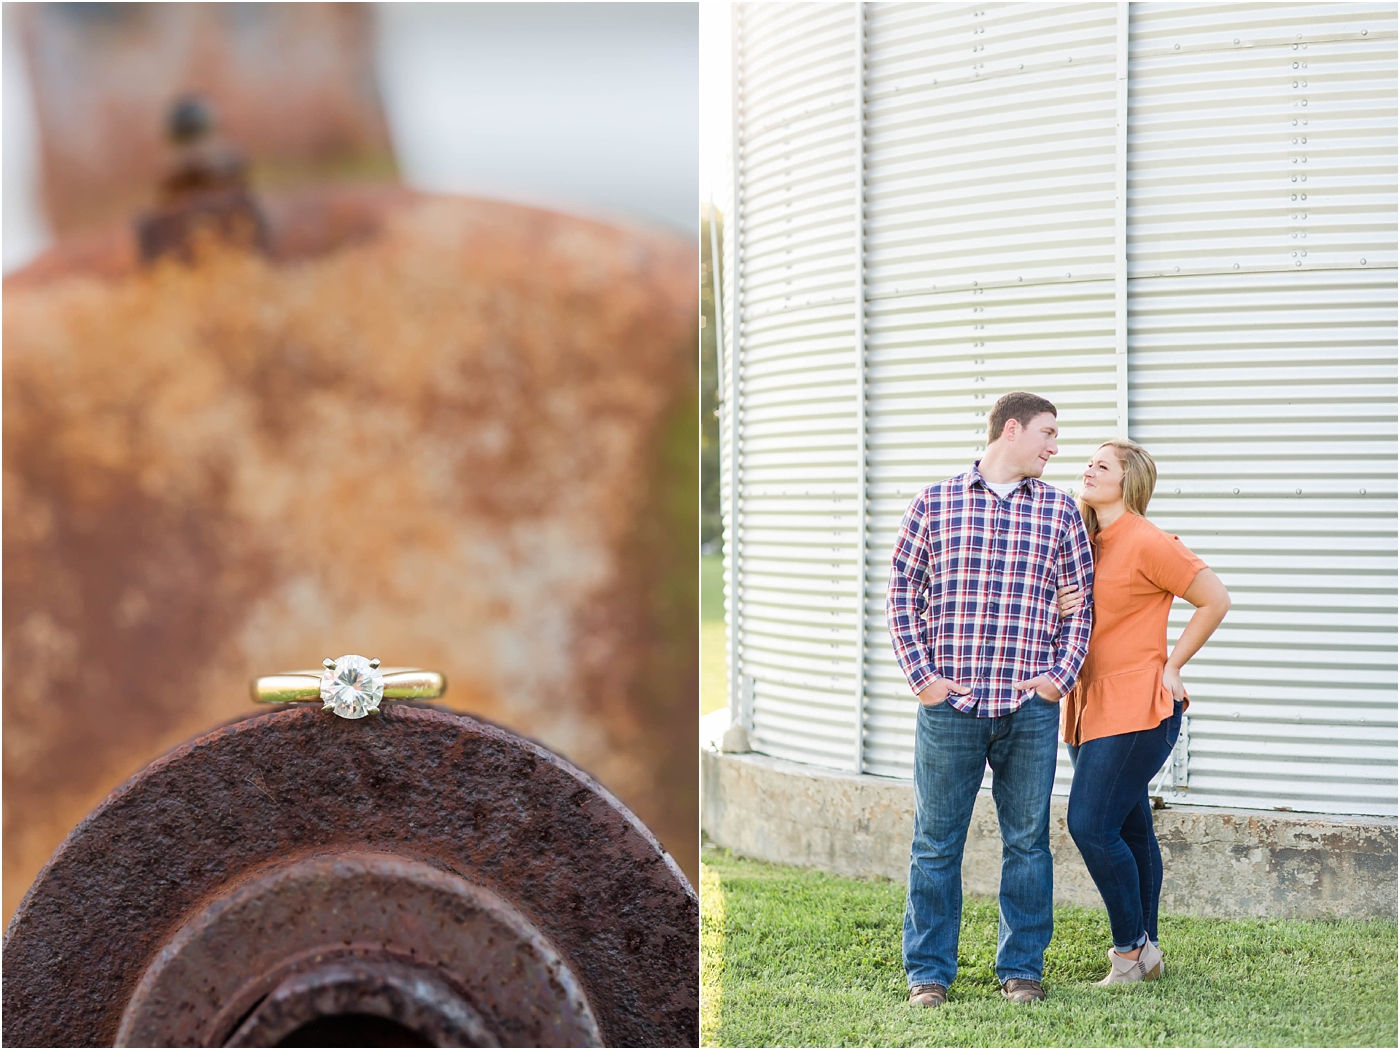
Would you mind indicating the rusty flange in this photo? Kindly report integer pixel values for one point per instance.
(420, 877)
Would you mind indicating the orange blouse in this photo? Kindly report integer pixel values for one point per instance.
(1137, 569)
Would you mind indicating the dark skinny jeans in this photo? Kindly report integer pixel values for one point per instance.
(1110, 820)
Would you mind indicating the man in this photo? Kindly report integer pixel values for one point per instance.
(973, 616)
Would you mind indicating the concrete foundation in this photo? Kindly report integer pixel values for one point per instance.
(1224, 863)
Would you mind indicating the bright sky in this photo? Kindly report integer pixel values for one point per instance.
(714, 95)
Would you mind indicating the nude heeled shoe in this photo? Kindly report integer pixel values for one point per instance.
(1147, 966)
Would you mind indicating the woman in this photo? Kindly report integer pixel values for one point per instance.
(1122, 718)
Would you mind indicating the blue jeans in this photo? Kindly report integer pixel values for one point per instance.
(951, 750)
(1110, 820)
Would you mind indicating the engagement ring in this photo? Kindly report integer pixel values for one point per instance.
(351, 686)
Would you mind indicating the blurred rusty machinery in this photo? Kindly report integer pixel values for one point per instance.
(205, 192)
(419, 878)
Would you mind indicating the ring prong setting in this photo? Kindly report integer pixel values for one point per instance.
(328, 664)
(375, 663)
(352, 686)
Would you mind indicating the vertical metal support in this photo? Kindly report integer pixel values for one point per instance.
(1120, 225)
(861, 451)
(732, 226)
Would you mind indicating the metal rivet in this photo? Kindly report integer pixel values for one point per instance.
(1295, 47)
(1295, 65)
(1363, 32)
(1303, 197)
(1305, 102)
(1237, 266)
(1295, 83)
(1237, 492)
(1293, 179)
(1298, 491)
(1178, 492)
(1176, 269)
(1177, 46)
(1298, 263)
(1237, 40)
(1363, 263)
(1363, 492)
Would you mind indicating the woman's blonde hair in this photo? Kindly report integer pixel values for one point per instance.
(1139, 480)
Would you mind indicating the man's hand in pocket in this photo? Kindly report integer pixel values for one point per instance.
(1045, 689)
(937, 691)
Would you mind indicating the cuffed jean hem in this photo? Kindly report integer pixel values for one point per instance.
(1141, 940)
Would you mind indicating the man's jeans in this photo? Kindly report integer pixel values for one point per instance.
(951, 750)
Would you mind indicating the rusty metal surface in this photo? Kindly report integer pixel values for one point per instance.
(295, 84)
(421, 1010)
(459, 433)
(205, 194)
(420, 869)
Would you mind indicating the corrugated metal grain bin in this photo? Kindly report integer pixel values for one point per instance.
(1177, 222)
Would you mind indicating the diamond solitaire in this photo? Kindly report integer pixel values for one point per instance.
(352, 686)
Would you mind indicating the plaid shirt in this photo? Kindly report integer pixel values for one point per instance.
(972, 590)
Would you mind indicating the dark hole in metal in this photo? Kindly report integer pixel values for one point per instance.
(354, 1030)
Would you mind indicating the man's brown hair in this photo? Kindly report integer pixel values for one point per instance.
(1017, 405)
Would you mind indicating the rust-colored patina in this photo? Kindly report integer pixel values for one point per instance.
(450, 433)
(294, 83)
(418, 876)
(204, 194)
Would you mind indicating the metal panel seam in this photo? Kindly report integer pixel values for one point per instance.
(1120, 224)
(732, 233)
(861, 495)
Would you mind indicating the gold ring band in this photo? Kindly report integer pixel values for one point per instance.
(351, 686)
(295, 687)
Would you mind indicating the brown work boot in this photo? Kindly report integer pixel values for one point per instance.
(928, 995)
(1022, 990)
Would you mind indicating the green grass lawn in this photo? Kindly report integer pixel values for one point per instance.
(799, 958)
(714, 674)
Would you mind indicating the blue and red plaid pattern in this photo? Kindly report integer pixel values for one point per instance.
(972, 590)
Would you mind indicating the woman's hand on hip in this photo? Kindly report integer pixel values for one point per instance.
(1171, 678)
(1070, 599)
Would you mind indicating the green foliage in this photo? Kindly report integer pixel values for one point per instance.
(801, 958)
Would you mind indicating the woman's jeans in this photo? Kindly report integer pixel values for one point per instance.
(951, 752)
(1110, 819)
